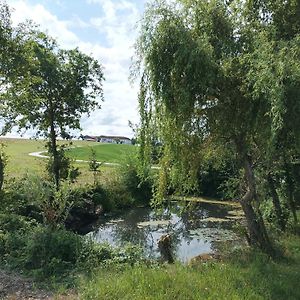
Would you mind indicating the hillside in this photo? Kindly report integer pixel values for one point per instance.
(113, 153)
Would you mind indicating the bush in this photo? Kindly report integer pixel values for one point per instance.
(23, 196)
(41, 251)
(94, 255)
(131, 184)
(14, 223)
(138, 180)
(90, 195)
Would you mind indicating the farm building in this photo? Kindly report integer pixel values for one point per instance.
(107, 139)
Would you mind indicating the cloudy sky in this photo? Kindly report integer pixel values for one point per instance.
(105, 29)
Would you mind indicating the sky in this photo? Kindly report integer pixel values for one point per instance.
(106, 30)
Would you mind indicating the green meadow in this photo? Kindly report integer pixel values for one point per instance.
(112, 153)
(20, 163)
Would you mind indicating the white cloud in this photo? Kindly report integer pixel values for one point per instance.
(116, 22)
(47, 21)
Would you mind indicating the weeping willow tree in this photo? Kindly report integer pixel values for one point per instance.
(213, 78)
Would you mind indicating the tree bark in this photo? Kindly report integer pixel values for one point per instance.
(55, 156)
(290, 190)
(276, 202)
(53, 148)
(257, 233)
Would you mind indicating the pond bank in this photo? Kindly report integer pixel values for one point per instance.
(246, 274)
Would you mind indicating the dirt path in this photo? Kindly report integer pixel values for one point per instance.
(15, 287)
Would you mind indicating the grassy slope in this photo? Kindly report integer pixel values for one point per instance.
(19, 162)
(104, 152)
(250, 276)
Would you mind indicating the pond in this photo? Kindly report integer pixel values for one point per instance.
(195, 228)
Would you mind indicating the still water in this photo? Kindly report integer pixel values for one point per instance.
(195, 228)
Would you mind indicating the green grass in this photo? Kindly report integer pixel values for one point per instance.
(19, 162)
(244, 276)
(113, 153)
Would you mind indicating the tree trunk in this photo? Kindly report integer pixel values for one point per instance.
(2, 165)
(53, 148)
(290, 190)
(275, 199)
(55, 156)
(257, 233)
(256, 228)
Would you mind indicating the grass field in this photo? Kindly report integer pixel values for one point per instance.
(113, 153)
(19, 162)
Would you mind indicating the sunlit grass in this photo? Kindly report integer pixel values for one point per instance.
(112, 153)
(243, 276)
(19, 163)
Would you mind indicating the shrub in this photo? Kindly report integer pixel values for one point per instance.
(90, 195)
(66, 170)
(137, 180)
(94, 255)
(23, 196)
(131, 184)
(41, 251)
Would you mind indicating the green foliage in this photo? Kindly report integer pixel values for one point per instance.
(247, 275)
(94, 166)
(90, 196)
(25, 195)
(34, 197)
(41, 251)
(137, 179)
(45, 252)
(15, 223)
(56, 87)
(55, 209)
(94, 256)
(65, 167)
(54, 106)
(219, 75)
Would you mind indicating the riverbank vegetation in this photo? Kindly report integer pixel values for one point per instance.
(246, 275)
(219, 83)
(219, 107)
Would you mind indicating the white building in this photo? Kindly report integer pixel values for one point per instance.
(114, 139)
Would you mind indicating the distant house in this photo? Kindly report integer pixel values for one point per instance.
(114, 139)
(107, 139)
(89, 138)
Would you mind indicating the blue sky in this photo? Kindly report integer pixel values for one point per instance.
(105, 29)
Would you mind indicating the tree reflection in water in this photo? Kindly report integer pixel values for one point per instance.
(185, 222)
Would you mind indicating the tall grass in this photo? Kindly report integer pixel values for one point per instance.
(244, 276)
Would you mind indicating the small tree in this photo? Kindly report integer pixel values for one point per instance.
(94, 166)
(61, 85)
(66, 171)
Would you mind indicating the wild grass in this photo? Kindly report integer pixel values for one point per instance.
(246, 275)
(19, 163)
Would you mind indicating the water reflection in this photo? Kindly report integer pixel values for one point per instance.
(195, 228)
